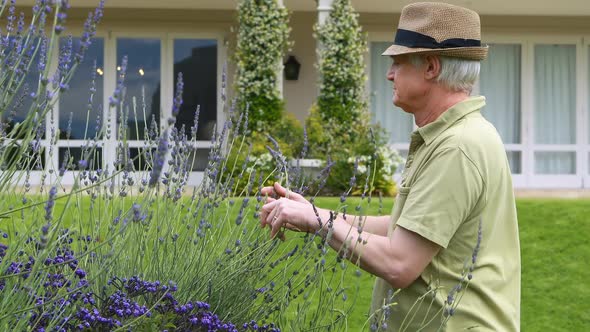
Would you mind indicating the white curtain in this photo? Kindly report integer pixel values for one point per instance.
(500, 82)
(555, 106)
(397, 123)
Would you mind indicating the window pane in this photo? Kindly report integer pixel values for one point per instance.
(69, 158)
(23, 159)
(197, 60)
(555, 162)
(142, 81)
(199, 159)
(515, 161)
(75, 102)
(403, 154)
(555, 94)
(142, 158)
(500, 83)
(588, 107)
(20, 106)
(397, 123)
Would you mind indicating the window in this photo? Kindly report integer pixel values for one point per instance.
(81, 115)
(19, 108)
(85, 127)
(397, 123)
(197, 60)
(531, 85)
(555, 107)
(142, 85)
(80, 109)
(500, 83)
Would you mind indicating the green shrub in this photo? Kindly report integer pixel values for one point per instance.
(252, 158)
(262, 37)
(344, 143)
(339, 125)
(342, 72)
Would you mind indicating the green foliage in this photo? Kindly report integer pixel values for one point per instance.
(357, 143)
(252, 157)
(262, 37)
(341, 68)
(339, 125)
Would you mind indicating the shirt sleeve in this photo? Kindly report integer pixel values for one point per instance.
(443, 194)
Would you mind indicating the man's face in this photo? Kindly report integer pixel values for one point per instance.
(409, 84)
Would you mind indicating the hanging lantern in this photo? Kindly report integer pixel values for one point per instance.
(292, 67)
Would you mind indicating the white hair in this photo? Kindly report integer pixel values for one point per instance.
(455, 73)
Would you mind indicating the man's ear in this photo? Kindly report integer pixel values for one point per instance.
(432, 67)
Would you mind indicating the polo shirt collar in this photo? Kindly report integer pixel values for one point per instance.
(450, 116)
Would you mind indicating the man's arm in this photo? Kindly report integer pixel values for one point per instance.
(376, 225)
(398, 259)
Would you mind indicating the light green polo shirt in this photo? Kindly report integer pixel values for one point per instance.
(457, 175)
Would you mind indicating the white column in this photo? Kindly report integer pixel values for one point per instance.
(324, 9)
(281, 66)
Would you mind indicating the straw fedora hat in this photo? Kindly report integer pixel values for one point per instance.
(438, 28)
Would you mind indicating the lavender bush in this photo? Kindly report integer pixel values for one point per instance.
(126, 250)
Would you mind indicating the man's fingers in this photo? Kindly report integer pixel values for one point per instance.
(265, 211)
(291, 227)
(267, 190)
(284, 192)
(271, 215)
(280, 190)
(275, 222)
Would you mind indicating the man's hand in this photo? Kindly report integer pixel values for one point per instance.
(287, 209)
(277, 191)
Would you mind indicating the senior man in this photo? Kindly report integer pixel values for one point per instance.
(455, 192)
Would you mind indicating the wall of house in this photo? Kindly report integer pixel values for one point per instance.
(299, 95)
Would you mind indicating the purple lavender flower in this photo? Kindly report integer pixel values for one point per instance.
(178, 97)
(117, 96)
(82, 164)
(159, 159)
(50, 203)
(137, 213)
(61, 16)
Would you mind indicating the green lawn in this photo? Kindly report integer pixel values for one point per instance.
(554, 248)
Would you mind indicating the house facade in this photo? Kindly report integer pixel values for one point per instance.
(536, 78)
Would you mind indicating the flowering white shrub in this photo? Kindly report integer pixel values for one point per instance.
(262, 37)
(391, 159)
(264, 162)
(388, 159)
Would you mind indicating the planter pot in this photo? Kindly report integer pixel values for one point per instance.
(310, 167)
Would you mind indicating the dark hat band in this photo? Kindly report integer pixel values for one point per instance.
(415, 39)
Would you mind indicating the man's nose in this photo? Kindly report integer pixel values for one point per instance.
(390, 74)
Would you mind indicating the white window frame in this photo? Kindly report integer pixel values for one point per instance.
(166, 38)
(527, 147)
(197, 177)
(543, 181)
(584, 119)
(69, 177)
(519, 180)
(383, 37)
